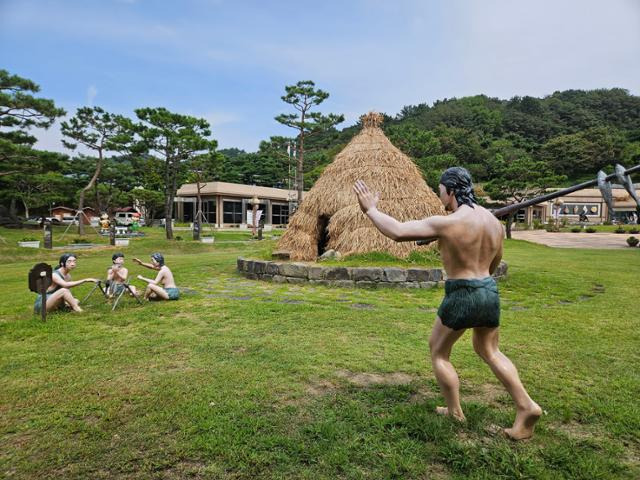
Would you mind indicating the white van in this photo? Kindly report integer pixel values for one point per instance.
(124, 218)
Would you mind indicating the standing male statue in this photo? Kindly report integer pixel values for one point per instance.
(470, 240)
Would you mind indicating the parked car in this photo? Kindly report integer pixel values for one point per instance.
(38, 221)
(125, 218)
(69, 220)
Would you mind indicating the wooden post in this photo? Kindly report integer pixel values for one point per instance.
(42, 286)
(48, 235)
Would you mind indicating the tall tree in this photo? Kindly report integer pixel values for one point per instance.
(20, 110)
(99, 131)
(303, 97)
(40, 182)
(516, 176)
(175, 138)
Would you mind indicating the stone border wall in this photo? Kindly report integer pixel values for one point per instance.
(368, 277)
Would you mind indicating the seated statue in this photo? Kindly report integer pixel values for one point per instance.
(58, 293)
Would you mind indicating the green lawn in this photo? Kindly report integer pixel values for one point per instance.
(242, 379)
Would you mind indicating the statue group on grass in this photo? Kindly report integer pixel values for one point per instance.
(58, 295)
(470, 240)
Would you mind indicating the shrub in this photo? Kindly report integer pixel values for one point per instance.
(634, 230)
(591, 230)
(537, 224)
(80, 240)
(564, 222)
(576, 229)
(178, 238)
(552, 228)
(632, 241)
(620, 230)
(29, 239)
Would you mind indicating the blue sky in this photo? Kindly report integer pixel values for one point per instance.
(228, 61)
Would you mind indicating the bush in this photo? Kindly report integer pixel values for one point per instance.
(564, 222)
(80, 240)
(576, 229)
(591, 230)
(634, 230)
(552, 228)
(178, 238)
(29, 239)
(619, 230)
(632, 241)
(537, 224)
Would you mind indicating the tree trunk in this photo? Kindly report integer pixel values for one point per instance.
(300, 165)
(12, 209)
(197, 214)
(509, 223)
(170, 190)
(96, 174)
(26, 209)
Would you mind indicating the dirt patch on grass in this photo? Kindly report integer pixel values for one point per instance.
(422, 395)
(487, 393)
(632, 456)
(368, 379)
(436, 472)
(575, 430)
(186, 469)
(319, 388)
(314, 389)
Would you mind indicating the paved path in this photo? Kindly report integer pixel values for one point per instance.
(574, 240)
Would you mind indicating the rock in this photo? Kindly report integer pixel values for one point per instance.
(329, 255)
(297, 270)
(369, 274)
(395, 274)
(418, 275)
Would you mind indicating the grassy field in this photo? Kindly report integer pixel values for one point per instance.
(241, 379)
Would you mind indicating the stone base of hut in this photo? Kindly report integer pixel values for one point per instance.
(365, 277)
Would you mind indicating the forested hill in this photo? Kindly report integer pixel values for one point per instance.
(573, 133)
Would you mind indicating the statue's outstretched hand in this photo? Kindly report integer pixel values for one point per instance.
(366, 199)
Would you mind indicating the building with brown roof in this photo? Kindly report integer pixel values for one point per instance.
(229, 204)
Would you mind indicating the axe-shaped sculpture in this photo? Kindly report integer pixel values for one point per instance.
(605, 189)
(624, 178)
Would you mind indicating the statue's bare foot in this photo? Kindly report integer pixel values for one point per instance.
(524, 423)
(445, 411)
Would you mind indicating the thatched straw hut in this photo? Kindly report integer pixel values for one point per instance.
(330, 218)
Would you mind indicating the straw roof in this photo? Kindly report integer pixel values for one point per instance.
(371, 157)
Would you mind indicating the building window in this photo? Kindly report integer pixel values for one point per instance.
(591, 209)
(188, 211)
(231, 212)
(279, 214)
(209, 210)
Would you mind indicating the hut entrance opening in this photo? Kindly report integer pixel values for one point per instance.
(323, 230)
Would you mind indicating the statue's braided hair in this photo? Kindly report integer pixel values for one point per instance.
(458, 181)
